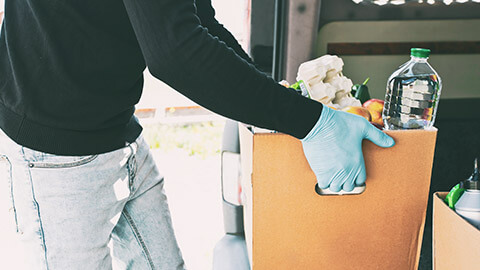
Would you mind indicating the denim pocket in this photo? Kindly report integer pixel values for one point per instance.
(7, 198)
(42, 160)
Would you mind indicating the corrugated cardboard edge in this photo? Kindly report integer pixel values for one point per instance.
(422, 226)
(246, 150)
(438, 198)
(462, 238)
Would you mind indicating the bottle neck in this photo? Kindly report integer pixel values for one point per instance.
(418, 59)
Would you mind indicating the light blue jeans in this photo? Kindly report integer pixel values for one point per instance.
(63, 211)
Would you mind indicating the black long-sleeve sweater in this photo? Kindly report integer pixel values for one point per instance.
(71, 72)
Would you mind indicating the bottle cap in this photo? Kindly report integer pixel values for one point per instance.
(419, 52)
(472, 182)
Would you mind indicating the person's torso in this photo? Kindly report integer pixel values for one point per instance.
(65, 62)
(69, 64)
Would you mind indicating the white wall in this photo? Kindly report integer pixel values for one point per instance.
(460, 73)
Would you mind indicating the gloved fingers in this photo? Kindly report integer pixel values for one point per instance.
(378, 137)
(324, 180)
(323, 185)
(349, 186)
(362, 175)
(349, 183)
(338, 179)
(335, 187)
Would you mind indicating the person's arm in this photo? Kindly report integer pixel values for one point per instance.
(206, 13)
(180, 52)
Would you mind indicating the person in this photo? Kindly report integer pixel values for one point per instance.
(75, 167)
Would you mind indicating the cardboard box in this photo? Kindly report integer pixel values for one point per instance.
(456, 242)
(289, 226)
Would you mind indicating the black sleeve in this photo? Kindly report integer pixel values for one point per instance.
(180, 52)
(206, 13)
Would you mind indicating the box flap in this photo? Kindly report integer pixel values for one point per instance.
(456, 242)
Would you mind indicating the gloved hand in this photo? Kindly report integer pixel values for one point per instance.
(333, 148)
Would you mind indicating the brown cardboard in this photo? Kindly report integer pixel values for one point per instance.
(456, 243)
(289, 226)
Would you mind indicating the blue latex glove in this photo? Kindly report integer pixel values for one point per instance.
(333, 149)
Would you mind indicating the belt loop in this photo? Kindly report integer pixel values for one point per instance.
(133, 147)
(132, 164)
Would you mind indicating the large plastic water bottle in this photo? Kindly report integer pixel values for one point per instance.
(413, 91)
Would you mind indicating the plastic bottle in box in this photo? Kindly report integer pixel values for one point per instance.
(413, 91)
